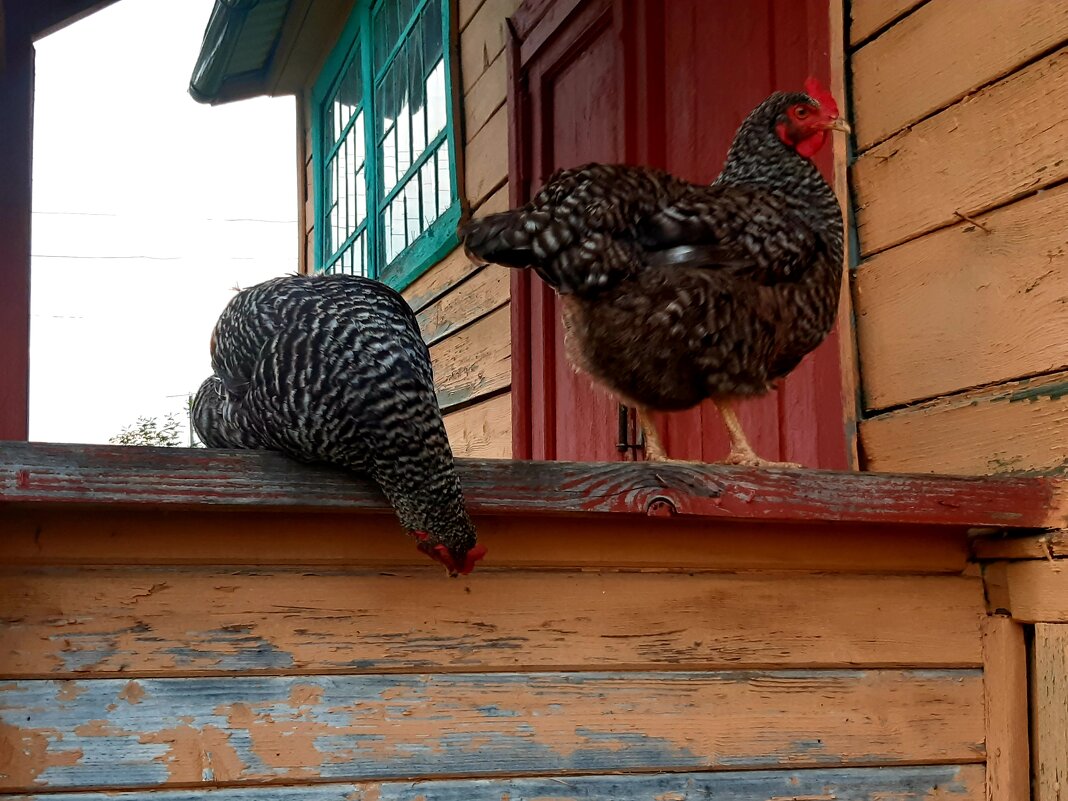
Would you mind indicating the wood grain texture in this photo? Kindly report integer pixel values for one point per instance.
(466, 11)
(41, 536)
(1050, 711)
(963, 307)
(1043, 545)
(439, 280)
(482, 39)
(486, 96)
(486, 290)
(1008, 766)
(482, 431)
(38, 473)
(941, 53)
(1003, 142)
(114, 733)
(1032, 591)
(496, 202)
(474, 361)
(868, 16)
(197, 621)
(486, 158)
(926, 783)
(1017, 427)
(846, 334)
(310, 31)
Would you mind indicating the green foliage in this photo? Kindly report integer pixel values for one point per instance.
(150, 431)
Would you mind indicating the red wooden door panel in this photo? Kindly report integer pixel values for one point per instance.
(759, 46)
(574, 112)
(665, 84)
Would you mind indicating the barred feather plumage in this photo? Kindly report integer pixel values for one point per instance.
(333, 369)
(676, 292)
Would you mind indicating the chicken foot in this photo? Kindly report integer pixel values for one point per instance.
(742, 452)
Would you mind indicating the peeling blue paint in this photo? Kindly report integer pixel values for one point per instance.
(247, 653)
(357, 719)
(849, 784)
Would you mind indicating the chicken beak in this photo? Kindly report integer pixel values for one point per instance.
(841, 125)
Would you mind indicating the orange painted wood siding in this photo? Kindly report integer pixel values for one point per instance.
(961, 134)
(302, 649)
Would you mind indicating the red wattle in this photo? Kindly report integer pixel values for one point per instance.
(810, 145)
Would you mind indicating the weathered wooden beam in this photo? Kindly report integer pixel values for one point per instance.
(1041, 545)
(36, 536)
(1008, 766)
(36, 473)
(1050, 711)
(126, 622)
(944, 782)
(120, 733)
(1032, 591)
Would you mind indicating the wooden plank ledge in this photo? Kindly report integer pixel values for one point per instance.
(115, 476)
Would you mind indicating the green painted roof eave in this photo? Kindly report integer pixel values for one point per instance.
(236, 52)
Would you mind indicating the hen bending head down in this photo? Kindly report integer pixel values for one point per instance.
(333, 369)
(676, 292)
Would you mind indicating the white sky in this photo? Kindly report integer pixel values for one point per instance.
(147, 209)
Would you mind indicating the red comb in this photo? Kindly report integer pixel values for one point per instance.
(818, 92)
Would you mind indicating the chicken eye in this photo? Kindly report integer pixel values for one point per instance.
(801, 112)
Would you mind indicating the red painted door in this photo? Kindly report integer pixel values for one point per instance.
(664, 84)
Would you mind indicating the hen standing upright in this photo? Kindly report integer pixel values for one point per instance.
(333, 369)
(675, 292)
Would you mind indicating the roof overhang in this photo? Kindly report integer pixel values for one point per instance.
(39, 18)
(264, 47)
(236, 53)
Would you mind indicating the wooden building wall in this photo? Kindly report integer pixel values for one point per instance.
(961, 211)
(463, 308)
(674, 634)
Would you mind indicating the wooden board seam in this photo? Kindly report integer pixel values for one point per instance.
(165, 792)
(957, 100)
(1008, 201)
(875, 34)
(489, 192)
(486, 312)
(920, 404)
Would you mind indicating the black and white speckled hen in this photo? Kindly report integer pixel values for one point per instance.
(333, 369)
(675, 292)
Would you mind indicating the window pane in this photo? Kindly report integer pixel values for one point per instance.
(435, 95)
(386, 29)
(343, 174)
(429, 186)
(361, 196)
(444, 179)
(346, 99)
(350, 184)
(388, 154)
(411, 112)
(412, 216)
(394, 228)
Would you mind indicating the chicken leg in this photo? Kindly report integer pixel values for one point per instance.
(742, 452)
(654, 448)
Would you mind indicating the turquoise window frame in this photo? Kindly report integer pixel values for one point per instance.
(439, 238)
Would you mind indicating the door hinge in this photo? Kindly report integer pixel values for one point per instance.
(630, 436)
